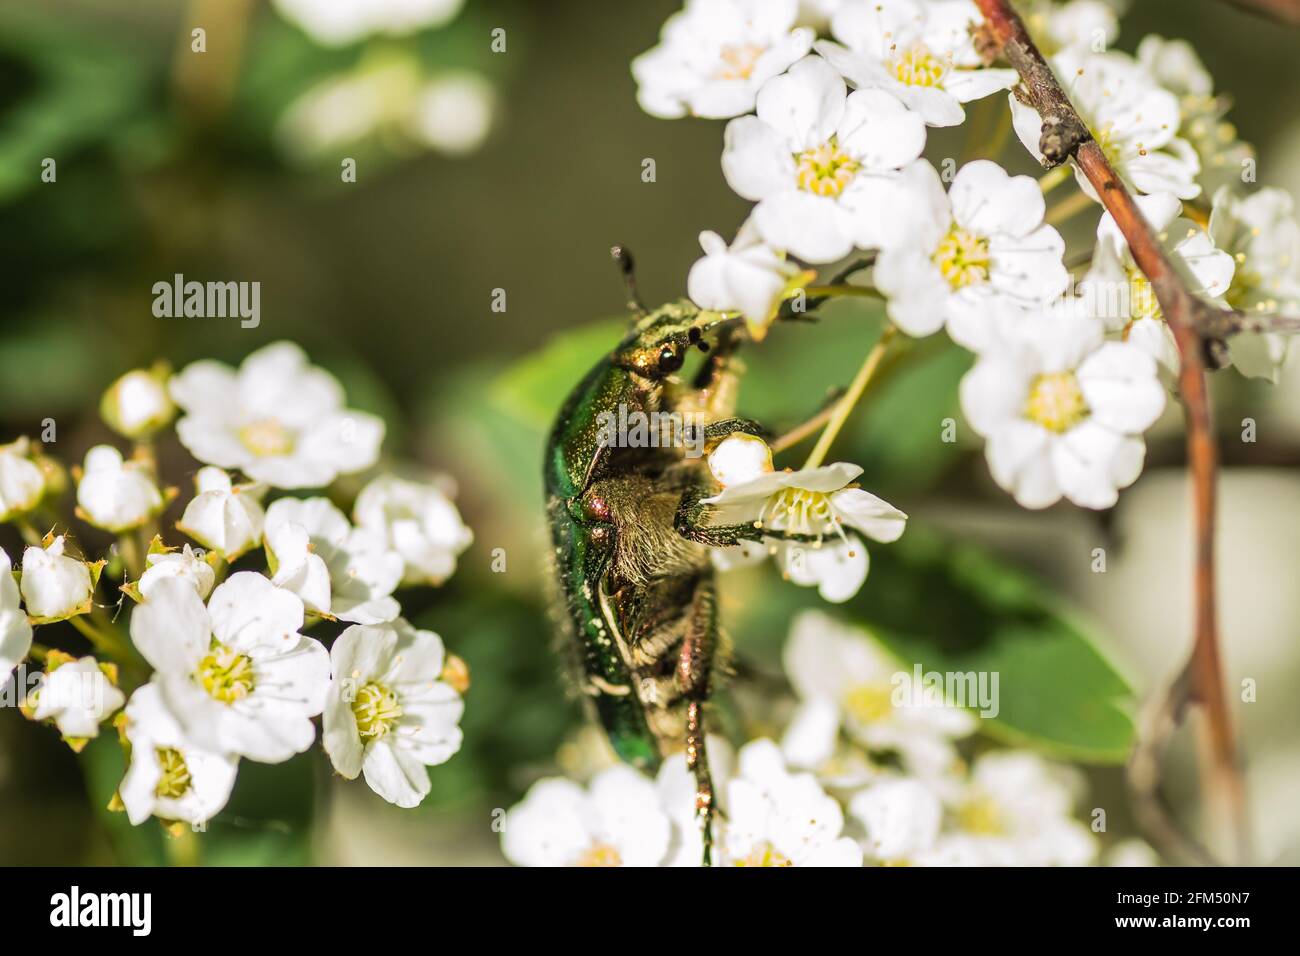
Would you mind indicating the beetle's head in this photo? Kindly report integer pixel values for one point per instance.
(660, 343)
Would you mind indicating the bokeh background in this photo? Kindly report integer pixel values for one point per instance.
(171, 163)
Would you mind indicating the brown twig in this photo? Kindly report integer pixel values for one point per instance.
(1287, 11)
(1066, 136)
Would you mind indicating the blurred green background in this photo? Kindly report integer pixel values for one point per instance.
(165, 167)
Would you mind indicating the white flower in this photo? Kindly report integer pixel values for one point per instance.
(224, 517)
(616, 822)
(749, 277)
(186, 564)
(714, 55)
(169, 776)
(1131, 852)
(921, 51)
(1175, 66)
(902, 818)
(1260, 232)
(453, 112)
(77, 695)
(1119, 294)
(779, 818)
(339, 22)
(15, 629)
(236, 674)
(137, 404)
(822, 163)
(986, 249)
(1082, 25)
(418, 521)
(815, 504)
(116, 495)
(1017, 811)
(1134, 121)
(336, 569)
(1062, 410)
(54, 585)
(845, 679)
(22, 484)
(277, 419)
(389, 714)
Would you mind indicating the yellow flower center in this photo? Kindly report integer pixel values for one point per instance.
(599, 854)
(799, 511)
(1142, 302)
(1108, 141)
(175, 779)
(764, 854)
(377, 710)
(917, 66)
(226, 674)
(980, 815)
(738, 61)
(825, 170)
(266, 438)
(869, 703)
(1056, 402)
(962, 257)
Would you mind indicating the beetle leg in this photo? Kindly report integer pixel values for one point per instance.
(689, 522)
(694, 666)
(714, 432)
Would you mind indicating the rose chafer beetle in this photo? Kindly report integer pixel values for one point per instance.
(637, 600)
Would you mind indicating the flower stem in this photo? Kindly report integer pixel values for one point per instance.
(1068, 208)
(1054, 177)
(39, 652)
(850, 399)
(866, 291)
(105, 640)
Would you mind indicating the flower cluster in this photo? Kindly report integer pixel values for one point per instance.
(826, 136)
(866, 773)
(286, 611)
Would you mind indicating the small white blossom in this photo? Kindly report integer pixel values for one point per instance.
(15, 629)
(76, 696)
(902, 818)
(1062, 410)
(1077, 25)
(22, 484)
(822, 163)
(336, 569)
(389, 714)
(453, 112)
(418, 521)
(1175, 66)
(116, 495)
(224, 517)
(1118, 293)
(618, 821)
(277, 418)
(169, 776)
(749, 277)
(779, 818)
(813, 503)
(845, 679)
(186, 564)
(137, 404)
(1131, 852)
(56, 586)
(985, 250)
(1261, 234)
(1134, 120)
(236, 674)
(340, 22)
(921, 51)
(713, 56)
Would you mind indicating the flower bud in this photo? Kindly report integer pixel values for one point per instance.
(137, 404)
(22, 483)
(116, 495)
(55, 586)
(224, 517)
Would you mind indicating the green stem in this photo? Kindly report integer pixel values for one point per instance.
(850, 399)
(104, 640)
(827, 291)
(39, 652)
(1054, 177)
(1069, 208)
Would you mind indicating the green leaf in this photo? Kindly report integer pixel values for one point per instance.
(955, 607)
(533, 389)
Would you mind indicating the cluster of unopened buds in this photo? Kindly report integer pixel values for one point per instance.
(277, 610)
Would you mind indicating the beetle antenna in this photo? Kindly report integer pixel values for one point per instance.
(622, 256)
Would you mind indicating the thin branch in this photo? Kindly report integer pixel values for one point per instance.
(1066, 136)
(1285, 11)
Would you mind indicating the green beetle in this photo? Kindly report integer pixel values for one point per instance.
(630, 535)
